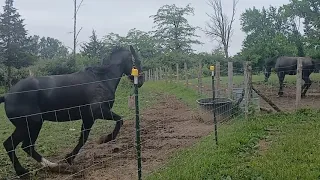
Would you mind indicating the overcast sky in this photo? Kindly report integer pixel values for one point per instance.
(54, 18)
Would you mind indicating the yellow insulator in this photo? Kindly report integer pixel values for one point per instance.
(135, 72)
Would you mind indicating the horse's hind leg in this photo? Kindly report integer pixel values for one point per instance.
(306, 86)
(34, 126)
(10, 145)
(281, 76)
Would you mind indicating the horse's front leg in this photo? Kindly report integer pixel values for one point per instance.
(107, 114)
(85, 131)
(306, 86)
(281, 76)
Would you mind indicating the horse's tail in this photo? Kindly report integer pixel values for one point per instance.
(2, 99)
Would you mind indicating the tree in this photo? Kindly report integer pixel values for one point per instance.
(94, 48)
(219, 26)
(14, 42)
(173, 30)
(75, 31)
(309, 10)
(50, 48)
(267, 35)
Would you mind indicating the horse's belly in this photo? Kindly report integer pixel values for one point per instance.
(69, 114)
(62, 115)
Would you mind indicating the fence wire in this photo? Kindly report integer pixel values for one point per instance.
(166, 125)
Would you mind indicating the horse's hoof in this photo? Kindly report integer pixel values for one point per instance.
(23, 173)
(69, 159)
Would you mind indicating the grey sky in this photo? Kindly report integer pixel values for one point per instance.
(54, 17)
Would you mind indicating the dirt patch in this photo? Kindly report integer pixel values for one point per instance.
(263, 145)
(166, 127)
(288, 100)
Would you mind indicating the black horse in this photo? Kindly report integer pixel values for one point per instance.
(88, 94)
(288, 65)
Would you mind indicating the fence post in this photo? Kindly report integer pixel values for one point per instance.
(145, 76)
(157, 74)
(299, 82)
(135, 74)
(160, 73)
(217, 81)
(200, 78)
(247, 86)
(177, 71)
(186, 73)
(230, 79)
(212, 68)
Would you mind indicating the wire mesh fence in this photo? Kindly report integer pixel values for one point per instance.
(167, 123)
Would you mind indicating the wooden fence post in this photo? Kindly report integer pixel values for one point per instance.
(160, 73)
(299, 82)
(145, 76)
(157, 74)
(230, 80)
(247, 86)
(217, 81)
(186, 73)
(200, 78)
(177, 71)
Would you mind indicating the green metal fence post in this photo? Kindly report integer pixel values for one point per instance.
(214, 105)
(135, 73)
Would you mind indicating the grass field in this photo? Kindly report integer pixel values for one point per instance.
(280, 146)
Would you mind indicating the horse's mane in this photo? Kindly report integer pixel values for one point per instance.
(98, 69)
(114, 50)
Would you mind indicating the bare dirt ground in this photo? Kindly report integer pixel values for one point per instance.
(288, 100)
(166, 127)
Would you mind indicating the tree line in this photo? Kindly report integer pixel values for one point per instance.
(271, 31)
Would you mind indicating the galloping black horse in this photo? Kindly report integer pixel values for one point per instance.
(87, 94)
(288, 65)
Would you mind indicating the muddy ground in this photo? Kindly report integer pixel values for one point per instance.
(166, 127)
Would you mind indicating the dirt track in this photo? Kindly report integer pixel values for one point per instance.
(166, 127)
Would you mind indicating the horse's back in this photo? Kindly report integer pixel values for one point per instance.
(34, 95)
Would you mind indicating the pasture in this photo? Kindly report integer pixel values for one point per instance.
(177, 144)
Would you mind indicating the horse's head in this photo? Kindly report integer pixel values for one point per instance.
(268, 64)
(135, 62)
(126, 59)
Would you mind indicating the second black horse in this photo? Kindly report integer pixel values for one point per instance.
(285, 65)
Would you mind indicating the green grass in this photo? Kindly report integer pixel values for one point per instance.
(292, 151)
(273, 80)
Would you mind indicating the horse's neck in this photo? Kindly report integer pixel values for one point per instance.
(113, 77)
